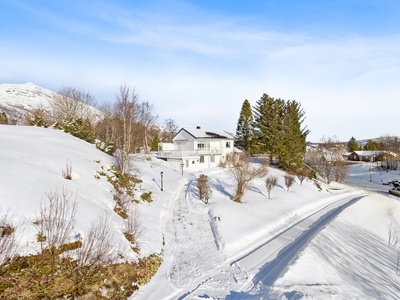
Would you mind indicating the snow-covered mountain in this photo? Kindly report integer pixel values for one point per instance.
(17, 100)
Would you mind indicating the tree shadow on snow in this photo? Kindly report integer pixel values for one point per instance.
(221, 186)
(256, 190)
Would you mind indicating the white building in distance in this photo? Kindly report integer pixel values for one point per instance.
(197, 149)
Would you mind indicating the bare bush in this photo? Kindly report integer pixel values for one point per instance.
(7, 237)
(204, 189)
(67, 173)
(289, 180)
(121, 204)
(243, 171)
(97, 245)
(301, 175)
(134, 226)
(393, 235)
(270, 183)
(316, 183)
(56, 219)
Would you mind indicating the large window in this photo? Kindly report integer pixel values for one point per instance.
(228, 144)
(213, 158)
(201, 145)
(202, 159)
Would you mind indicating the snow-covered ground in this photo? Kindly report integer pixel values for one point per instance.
(301, 244)
(350, 258)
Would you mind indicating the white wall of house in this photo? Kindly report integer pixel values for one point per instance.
(196, 154)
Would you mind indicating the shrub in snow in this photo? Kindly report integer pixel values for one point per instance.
(37, 121)
(301, 175)
(56, 220)
(204, 189)
(146, 196)
(7, 238)
(270, 183)
(289, 180)
(106, 147)
(67, 173)
(243, 171)
(134, 228)
(3, 118)
(77, 127)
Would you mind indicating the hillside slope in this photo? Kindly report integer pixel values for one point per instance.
(17, 100)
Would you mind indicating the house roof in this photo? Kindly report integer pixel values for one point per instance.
(207, 134)
(374, 153)
(368, 153)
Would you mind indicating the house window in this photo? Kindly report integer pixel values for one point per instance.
(187, 164)
(193, 162)
(213, 158)
(228, 144)
(201, 145)
(202, 159)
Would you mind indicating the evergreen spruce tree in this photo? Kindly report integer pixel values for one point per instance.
(244, 129)
(279, 132)
(352, 145)
(371, 146)
(155, 142)
(266, 125)
(291, 154)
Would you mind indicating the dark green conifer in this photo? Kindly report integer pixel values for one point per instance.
(155, 142)
(352, 145)
(244, 129)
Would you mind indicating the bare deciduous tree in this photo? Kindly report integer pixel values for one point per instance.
(170, 130)
(328, 161)
(270, 183)
(146, 120)
(243, 171)
(56, 219)
(97, 245)
(289, 180)
(71, 103)
(126, 110)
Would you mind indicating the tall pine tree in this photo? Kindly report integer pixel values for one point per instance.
(244, 130)
(279, 132)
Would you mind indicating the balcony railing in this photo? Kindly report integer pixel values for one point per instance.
(189, 153)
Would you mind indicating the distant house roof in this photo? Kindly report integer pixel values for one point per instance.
(374, 153)
(368, 153)
(207, 134)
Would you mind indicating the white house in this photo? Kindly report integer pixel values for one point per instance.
(197, 149)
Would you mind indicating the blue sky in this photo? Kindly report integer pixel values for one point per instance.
(197, 61)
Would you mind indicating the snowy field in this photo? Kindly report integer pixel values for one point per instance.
(305, 243)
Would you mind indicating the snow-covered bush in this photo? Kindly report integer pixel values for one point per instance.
(37, 121)
(106, 147)
(77, 127)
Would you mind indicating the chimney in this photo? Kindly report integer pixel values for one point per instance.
(198, 127)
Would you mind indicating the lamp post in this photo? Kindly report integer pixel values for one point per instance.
(370, 175)
(162, 185)
(182, 165)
